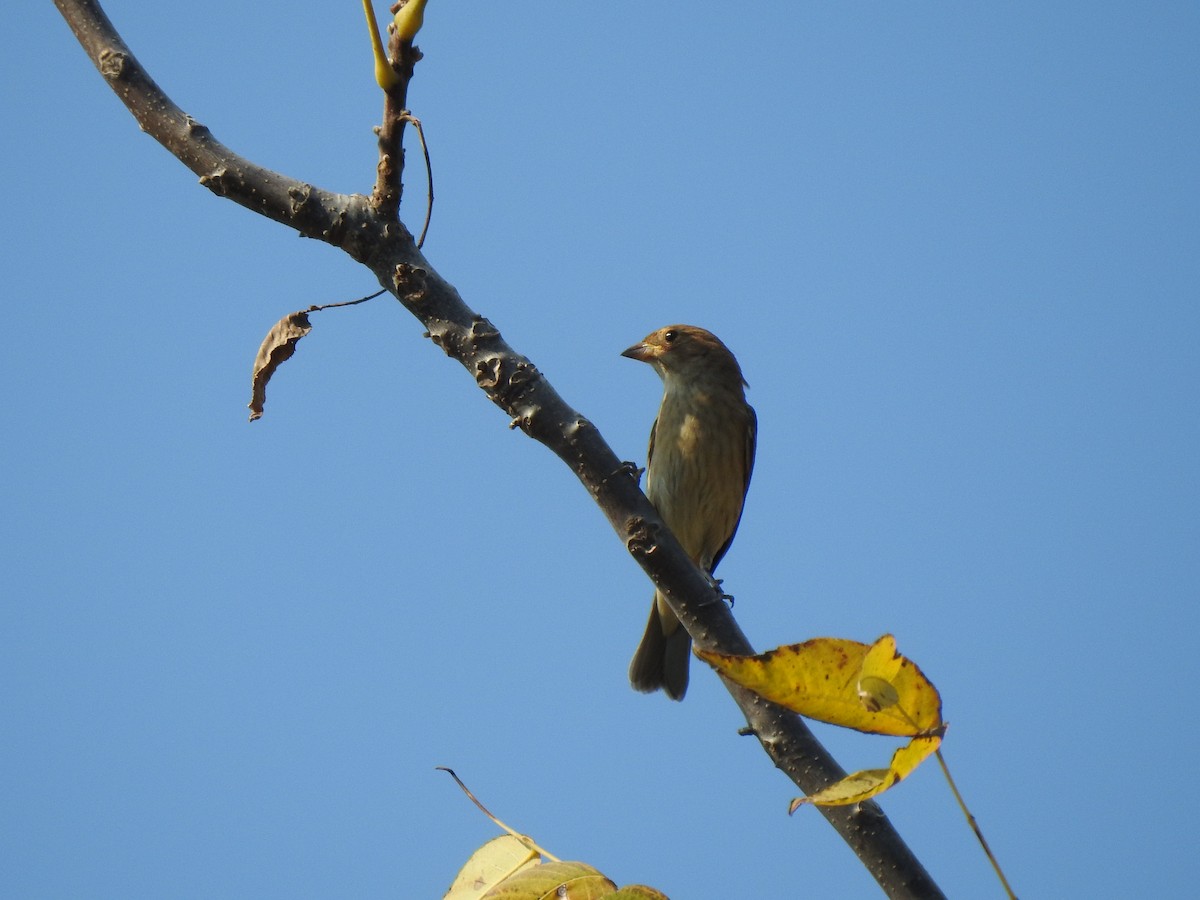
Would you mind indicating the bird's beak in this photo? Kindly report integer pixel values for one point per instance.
(640, 351)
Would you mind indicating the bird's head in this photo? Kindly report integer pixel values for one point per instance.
(685, 351)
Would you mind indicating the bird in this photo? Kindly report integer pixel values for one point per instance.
(698, 470)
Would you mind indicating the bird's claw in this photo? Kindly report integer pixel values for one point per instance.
(627, 468)
(716, 586)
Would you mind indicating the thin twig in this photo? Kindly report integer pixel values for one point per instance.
(347, 302)
(523, 838)
(974, 826)
(389, 186)
(409, 117)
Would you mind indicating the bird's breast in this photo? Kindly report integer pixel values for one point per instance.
(696, 477)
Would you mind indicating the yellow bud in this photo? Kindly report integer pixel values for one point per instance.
(385, 75)
(409, 19)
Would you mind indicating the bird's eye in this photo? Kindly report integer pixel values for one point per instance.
(670, 335)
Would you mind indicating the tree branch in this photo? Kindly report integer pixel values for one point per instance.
(389, 189)
(370, 233)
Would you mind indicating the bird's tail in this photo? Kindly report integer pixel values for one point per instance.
(661, 659)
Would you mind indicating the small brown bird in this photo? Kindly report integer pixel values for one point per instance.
(697, 472)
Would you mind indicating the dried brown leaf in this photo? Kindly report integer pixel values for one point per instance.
(277, 347)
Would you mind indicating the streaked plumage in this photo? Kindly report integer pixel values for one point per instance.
(697, 472)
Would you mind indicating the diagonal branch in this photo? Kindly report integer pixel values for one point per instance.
(311, 211)
(372, 236)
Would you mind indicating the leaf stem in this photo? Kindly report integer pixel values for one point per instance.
(974, 826)
(523, 838)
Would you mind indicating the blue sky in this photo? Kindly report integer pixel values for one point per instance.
(956, 251)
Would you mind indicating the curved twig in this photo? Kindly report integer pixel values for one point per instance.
(416, 123)
(324, 306)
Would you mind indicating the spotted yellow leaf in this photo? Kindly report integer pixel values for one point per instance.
(568, 880)
(866, 784)
(869, 688)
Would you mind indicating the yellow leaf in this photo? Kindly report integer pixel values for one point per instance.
(876, 694)
(570, 880)
(863, 785)
(879, 670)
(822, 679)
(488, 866)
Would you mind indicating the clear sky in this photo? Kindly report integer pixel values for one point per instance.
(957, 251)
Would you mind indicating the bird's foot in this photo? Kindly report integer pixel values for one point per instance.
(627, 468)
(716, 586)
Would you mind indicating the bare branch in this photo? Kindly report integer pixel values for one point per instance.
(311, 211)
(369, 232)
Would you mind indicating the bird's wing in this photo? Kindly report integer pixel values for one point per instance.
(748, 466)
(650, 449)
